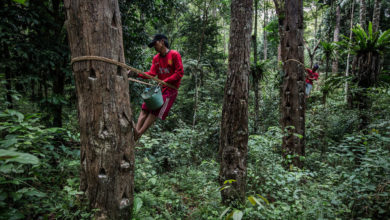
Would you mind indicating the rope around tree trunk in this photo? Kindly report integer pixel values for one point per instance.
(123, 65)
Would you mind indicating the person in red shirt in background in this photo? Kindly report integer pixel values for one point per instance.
(311, 75)
(168, 67)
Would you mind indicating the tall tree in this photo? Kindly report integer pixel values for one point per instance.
(376, 15)
(290, 15)
(255, 75)
(363, 14)
(348, 98)
(234, 125)
(105, 118)
(336, 35)
(265, 20)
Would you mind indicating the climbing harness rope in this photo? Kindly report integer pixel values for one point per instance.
(295, 61)
(104, 59)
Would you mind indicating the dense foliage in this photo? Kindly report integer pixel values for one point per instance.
(346, 173)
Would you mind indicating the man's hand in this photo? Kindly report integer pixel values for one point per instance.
(132, 74)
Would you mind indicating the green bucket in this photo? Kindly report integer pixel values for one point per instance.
(153, 98)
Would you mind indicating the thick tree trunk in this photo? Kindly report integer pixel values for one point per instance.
(107, 142)
(368, 67)
(234, 125)
(293, 88)
(336, 34)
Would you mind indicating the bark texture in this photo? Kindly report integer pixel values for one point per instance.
(348, 97)
(234, 125)
(293, 87)
(107, 142)
(363, 13)
(265, 52)
(255, 76)
(336, 35)
(376, 15)
(366, 69)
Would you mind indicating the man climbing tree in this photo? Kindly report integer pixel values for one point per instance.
(167, 66)
(310, 77)
(234, 126)
(290, 15)
(106, 131)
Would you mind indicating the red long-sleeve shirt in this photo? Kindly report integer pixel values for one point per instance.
(168, 68)
(310, 76)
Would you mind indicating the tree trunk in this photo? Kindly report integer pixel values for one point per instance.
(336, 34)
(325, 92)
(363, 12)
(265, 32)
(234, 125)
(348, 97)
(376, 15)
(293, 88)
(105, 117)
(59, 76)
(368, 65)
(8, 77)
(58, 92)
(255, 77)
(200, 48)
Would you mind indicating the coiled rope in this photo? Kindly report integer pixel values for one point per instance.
(123, 65)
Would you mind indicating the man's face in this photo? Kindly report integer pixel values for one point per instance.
(158, 46)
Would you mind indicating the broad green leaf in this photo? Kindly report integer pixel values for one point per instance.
(237, 215)
(19, 115)
(224, 212)
(137, 204)
(31, 192)
(8, 142)
(13, 156)
(23, 2)
(152, 181)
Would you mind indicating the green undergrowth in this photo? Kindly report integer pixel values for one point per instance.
(346, 173)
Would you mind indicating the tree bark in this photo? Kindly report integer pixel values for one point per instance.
(58, 91)
(234, 125)
(363, 12)
(325, 92)
(376, 15)
(336, 34)
(59, 76)
(255, 76)
(293, 87)
(265, 32)
(105, 117)
(348, 97)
